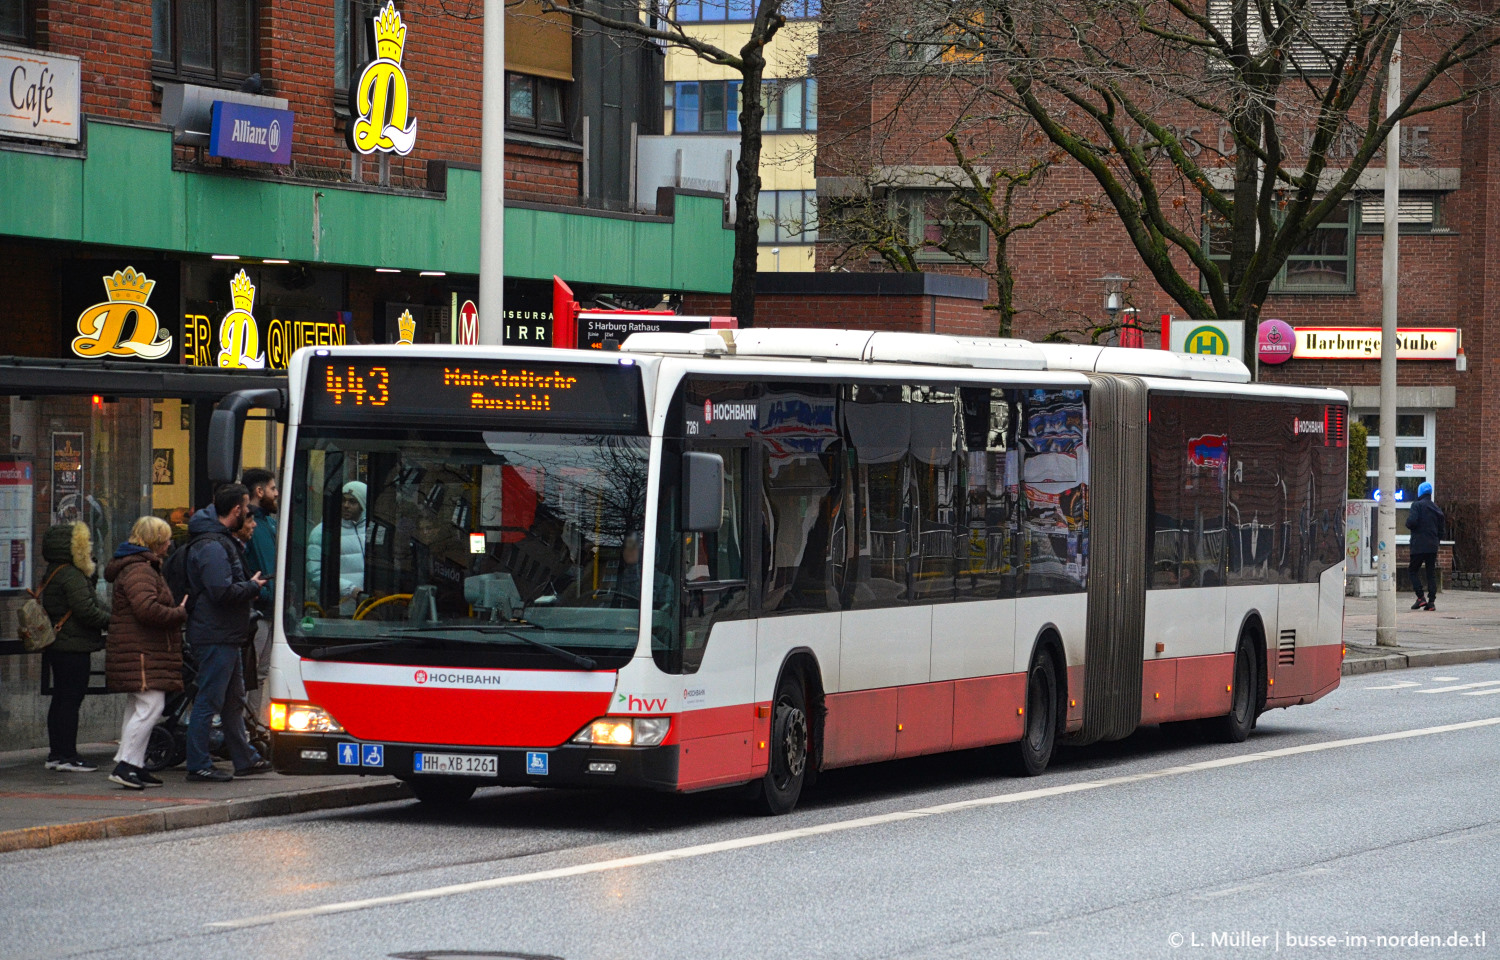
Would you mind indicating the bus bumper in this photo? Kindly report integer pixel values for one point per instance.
(570, 765)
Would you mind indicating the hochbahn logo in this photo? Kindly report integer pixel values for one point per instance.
(1308, 426)
(458, 679)
(728, 411)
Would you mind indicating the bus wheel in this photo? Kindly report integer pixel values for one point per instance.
(1030, 756)
(789, 743)
(442, 791)
(1235, 725)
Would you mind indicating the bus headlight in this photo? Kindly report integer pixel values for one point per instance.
(303, 718)
(625, 731)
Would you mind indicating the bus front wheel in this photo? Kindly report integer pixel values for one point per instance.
(789, 749)
(1030, 756)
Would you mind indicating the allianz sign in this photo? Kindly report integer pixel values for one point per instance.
(245, 132)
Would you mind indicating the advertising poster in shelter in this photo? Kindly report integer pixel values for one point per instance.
(15, 525)
(67, 477)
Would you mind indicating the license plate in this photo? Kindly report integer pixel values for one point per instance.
(458, 764)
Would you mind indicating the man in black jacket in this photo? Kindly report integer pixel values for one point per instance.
(220, 597)
(1425, 521)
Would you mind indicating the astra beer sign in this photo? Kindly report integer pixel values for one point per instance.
(119, 310)
(379, 96)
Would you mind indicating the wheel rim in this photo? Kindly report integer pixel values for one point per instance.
(792, 746)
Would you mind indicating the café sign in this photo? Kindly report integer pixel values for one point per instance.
(1363, 343)
(41, 96)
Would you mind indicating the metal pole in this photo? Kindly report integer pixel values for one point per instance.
(492, 179)
(1385, 593)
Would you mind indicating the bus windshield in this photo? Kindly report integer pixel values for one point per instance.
(465, 547)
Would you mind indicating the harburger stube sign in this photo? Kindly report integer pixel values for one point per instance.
(1363, 343)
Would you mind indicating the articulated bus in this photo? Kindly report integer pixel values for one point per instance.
(742, 557)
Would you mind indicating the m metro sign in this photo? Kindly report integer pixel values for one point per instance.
(1363, 343)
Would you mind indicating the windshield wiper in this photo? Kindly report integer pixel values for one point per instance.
(586, 663)
(339, 650)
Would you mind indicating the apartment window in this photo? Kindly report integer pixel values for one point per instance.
(1416, 447)
(1322, 263)
(1415, 213)
(740, 11)
(205, 41)
(1318, 44)
(789, 216)
(938, 227)
(791, 105)
(15, 21)
(351, 41)
(535, 104)
(704, 106)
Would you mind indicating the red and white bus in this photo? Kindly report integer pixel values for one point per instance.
(739, 557)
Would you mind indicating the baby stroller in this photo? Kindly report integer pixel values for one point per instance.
(167, 746)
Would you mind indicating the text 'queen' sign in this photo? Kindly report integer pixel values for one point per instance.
(1363, 343)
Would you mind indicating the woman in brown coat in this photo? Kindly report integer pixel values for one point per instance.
(143, 656)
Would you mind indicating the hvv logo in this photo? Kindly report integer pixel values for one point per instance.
(646, 704)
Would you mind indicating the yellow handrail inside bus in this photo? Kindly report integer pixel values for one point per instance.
(371, 604)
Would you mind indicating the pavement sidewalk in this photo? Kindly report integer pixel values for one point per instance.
(1465, 628)
(43, 808)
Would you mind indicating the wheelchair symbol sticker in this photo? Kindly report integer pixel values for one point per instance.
(536, 764)
(374, 755)
(348, 754)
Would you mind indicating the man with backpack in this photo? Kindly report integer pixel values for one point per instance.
(220, 597)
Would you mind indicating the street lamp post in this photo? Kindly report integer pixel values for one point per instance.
(1114, 294)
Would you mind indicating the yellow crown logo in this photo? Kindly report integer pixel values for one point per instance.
(390, 33)
(407, 325)
(127, 285)
(242, 292)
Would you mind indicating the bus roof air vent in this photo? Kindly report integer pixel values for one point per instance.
(699, 343)
(1144, 363)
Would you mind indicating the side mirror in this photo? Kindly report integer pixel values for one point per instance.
(702, 492)
(226, 430)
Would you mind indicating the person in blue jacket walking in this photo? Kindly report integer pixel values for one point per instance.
(1426, 522)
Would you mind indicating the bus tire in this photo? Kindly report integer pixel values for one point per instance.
(789, 744)
(1235, 726)
(1030, 755)
(442, 791)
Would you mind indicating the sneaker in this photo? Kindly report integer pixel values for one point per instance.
(1430, 606)
(146, 777)
(124, 775)
(75, 765)
(1418, 604)
(259, 766)
(52, 764)
(211, 775)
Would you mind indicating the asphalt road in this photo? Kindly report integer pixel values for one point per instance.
(1374, 813)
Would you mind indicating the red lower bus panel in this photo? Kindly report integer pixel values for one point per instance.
(479, 718)
(694, 724)
(924, 719)
(1158, 690)
(986, 710)
(1075, 699)
(709, 761)
(1319, 670)
(861, 727)
(1203, 686)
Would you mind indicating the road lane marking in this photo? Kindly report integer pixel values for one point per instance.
(838, 826)
(1398, 685)
(1480, 693)
(1444, 679)
(1462, 686)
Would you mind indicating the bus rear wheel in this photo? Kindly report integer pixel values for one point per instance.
(1030, 756)
(442, 791)
(790, 744)
(1235, 725)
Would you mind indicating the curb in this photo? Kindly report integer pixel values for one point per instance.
(181, 818)
(1418, 658)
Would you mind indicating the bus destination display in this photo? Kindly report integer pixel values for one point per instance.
(393, 389)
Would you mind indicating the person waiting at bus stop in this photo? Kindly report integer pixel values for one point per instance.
(260, 554)
(220, 596)
(1425, 521)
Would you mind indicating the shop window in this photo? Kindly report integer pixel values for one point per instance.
(939, 228)
(1416, 448)
(704, 106)
(1322, 263)
(1415, 214)
(739, 11)
(788, 216)
(535, 104)
(205, 41)
(15, 21)
(791, 105)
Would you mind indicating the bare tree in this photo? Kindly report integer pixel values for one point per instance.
(660, 24)
(1222, 132)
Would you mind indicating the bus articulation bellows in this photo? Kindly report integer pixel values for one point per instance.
(739, 557)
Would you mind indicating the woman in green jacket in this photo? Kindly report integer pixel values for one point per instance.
(69, 593)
